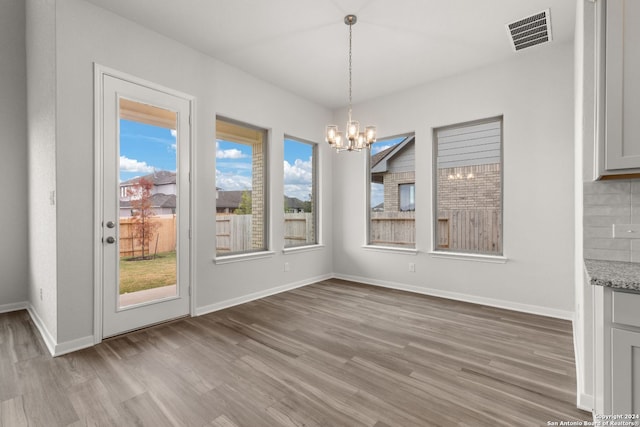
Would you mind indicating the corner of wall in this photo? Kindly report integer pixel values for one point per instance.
(41, 137)
(47, 337)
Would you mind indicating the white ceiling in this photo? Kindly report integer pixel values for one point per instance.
(302, 45)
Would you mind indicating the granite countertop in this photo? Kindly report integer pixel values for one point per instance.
(614, 274)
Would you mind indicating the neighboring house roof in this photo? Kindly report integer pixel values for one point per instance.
(293, 203)
(380, 161)
(232, 199)
(229, 199)
(157, 178)
(375, 159)
(158, 200)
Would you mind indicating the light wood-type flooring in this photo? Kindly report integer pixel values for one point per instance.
(334, 353)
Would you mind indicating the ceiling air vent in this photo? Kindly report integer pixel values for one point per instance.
(530, 31)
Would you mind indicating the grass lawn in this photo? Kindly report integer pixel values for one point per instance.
(147, 274)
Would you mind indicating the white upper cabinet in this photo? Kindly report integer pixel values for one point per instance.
(619, 133)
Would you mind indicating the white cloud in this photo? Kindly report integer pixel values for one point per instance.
(298, 173)
(174, 146)
(298, 178)
(132, 165)
(231, 153)
(231, 181)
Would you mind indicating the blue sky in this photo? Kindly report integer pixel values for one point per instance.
(384, 144)
(377, 190)
(298, 169)
(233, 167)
(145, 148)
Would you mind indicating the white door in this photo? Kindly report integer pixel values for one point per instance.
(145, 202)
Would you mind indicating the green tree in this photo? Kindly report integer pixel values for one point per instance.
(307, 205)
(244, 208)
(142, 212)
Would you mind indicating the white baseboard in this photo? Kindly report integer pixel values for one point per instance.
(257, 295)
(48, 339)
(74, 345)
(509, 305)
(6, 308)
(55, 348)
(585, 402)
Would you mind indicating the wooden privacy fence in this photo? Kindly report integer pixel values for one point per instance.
(470, 230)
(393, 228)
(298, 229)
(163, 239)
(233, 232)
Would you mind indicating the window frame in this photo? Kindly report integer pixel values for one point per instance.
(368, 208)
(457, 253)
(314, 194)
(234, 256)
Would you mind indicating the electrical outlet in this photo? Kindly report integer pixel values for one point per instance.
(287, 267)
(412, 267)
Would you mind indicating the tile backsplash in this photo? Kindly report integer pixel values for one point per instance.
(607, 203)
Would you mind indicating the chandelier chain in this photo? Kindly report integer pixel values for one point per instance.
(350, 67)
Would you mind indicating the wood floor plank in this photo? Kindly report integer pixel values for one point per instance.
(12, 413)
(223, 421)
(93, 405)
(335, 353)
(144, 410)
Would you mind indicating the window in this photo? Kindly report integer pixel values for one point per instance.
(392, 192)
(299, 193)
(241, 197)
(468, 187)
(407, 197)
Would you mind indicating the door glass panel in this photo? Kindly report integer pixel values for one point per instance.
(148, 197)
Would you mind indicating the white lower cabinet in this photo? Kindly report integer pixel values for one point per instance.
(617, 354)
(625, 371)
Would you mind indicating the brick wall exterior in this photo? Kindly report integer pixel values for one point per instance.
(257, 197)
(469, 187)
(392, 191)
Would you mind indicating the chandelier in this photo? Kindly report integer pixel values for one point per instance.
(354, 140)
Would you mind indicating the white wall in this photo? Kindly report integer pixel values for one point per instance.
(13, 162)
(41, 97)
(534, 92)
(85, 34)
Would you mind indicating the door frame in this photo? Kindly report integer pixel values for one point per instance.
(100, 72)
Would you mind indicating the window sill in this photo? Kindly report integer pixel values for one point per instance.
(392, 249)
(305, 248)
(494, 259)
(243, 257)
